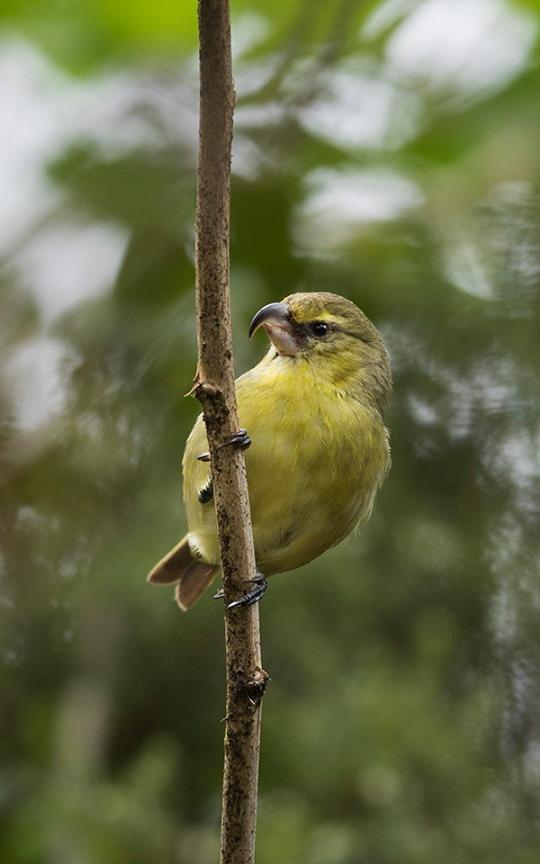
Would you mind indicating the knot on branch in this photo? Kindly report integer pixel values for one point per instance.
(214, 404)
(252, 688)
(204, 391)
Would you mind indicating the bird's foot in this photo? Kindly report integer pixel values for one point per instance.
(239, 440)
(260, 584)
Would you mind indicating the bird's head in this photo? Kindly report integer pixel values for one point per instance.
(332, 334)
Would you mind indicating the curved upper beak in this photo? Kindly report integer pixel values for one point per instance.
(276, 320)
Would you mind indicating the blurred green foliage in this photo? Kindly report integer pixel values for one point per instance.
(387, 151)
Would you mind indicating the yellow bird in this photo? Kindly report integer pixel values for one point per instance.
(313, 409)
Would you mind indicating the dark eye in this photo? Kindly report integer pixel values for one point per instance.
(319, 328)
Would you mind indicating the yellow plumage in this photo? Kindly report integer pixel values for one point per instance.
(313, 410)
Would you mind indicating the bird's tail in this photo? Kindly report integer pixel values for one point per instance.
(192, 575)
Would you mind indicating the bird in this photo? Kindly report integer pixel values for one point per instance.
(317, 449)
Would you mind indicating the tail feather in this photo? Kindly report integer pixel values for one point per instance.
(192, 575)
(193, 582)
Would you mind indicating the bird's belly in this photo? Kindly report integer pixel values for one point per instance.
(307, 492)
(312, 475)
(301, 535)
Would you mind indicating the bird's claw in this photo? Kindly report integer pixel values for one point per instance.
(239, 440)
(260, 584)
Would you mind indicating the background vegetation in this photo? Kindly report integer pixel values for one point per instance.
(388, 151)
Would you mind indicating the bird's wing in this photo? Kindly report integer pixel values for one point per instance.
(196, 473)
(198, 496)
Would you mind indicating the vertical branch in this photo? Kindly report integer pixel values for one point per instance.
(214, 387)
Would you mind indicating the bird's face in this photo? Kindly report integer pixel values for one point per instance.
(330, 332)
(316, 325)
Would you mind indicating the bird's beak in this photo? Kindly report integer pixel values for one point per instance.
(276, 320)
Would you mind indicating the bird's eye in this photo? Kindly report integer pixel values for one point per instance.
(319, 328)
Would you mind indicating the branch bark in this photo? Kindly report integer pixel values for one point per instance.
(214, 387)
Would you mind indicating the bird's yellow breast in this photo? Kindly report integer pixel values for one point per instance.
(316, 460)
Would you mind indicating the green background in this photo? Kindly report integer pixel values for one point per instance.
(386, 151)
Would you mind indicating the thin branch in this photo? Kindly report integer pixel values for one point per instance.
(214, 387)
